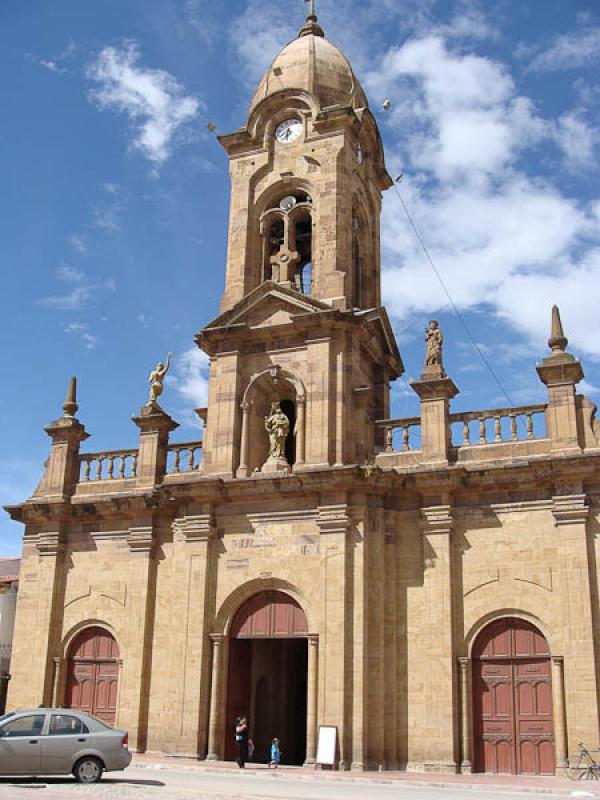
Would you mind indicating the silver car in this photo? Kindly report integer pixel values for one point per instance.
(59, 741)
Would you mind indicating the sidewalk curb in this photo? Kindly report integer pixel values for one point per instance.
(412, 783)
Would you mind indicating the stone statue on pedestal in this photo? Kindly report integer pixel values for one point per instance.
(434, 339)
(278, 427)
(156, 380)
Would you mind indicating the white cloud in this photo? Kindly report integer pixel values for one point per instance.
(190, 377)
(78, 243)
(577, 140)
(81, 330)
(69, 274)
(570, 51)
(83, 289)
(153, 100)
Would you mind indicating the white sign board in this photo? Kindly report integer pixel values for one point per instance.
(327, 746)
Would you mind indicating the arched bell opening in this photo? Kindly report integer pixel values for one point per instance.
(268, 394)
(286, 230)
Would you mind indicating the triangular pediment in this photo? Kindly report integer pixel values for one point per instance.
(269, 305)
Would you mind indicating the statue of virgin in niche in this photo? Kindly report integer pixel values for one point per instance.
(278, 427)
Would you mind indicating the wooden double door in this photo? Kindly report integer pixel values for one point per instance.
(93, 674)
(512, 700)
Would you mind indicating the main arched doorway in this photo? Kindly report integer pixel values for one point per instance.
(267, 676)
(93, 674)
(512, 700)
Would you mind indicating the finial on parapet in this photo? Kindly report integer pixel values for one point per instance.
(312, 26)
(558, 341)
(70, 405)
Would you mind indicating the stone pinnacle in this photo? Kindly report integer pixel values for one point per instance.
(70, 405)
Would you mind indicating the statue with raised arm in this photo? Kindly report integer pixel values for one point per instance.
(278, 427)
(156, 380)
(434, 339)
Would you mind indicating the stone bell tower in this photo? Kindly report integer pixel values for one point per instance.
(301, 322)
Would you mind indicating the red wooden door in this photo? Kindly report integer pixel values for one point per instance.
(93, 674)
(512, 700)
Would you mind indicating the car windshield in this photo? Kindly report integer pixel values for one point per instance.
(4, 717)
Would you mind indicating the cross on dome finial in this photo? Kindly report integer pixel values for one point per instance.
(311, 26)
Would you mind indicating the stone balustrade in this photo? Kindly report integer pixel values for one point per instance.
(409, 439)
(108, 466)
(184, 457)
(497, 425)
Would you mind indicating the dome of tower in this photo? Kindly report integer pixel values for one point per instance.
(312, 63)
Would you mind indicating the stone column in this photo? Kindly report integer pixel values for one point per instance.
(57, 688)
(558, 702)
(311, 699)
(301, 432)
(214, 745)
(466, 764)
(242, 470)
(155, 426)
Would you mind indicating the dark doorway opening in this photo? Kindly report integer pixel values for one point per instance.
(267, 683)
(289, 409)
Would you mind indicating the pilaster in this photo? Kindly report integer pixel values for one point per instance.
(178, 719)
(337, 643)
(579, 618)
(438, 744)
(134, 689)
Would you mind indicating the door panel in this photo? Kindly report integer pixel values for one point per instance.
(93, 674)
(512, 700)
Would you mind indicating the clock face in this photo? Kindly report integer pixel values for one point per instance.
(288, 131)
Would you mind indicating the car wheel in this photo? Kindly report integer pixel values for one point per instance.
(88, 770)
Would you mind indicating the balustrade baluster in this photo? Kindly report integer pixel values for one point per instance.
(134, 460)
(190, 455)
(406, 437)
(99, 467)
(513, 427)
(482, 432)
(111, 467)
(497, 429)
(86, 469)
(530, 425)
(122, 460)
(389, 440)
(195, 452)
(466, 432)
(176, 461)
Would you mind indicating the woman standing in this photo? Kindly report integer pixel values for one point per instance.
(241, 741)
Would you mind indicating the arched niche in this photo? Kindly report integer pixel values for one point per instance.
(273, 385)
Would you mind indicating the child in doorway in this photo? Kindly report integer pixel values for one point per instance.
(275, 754)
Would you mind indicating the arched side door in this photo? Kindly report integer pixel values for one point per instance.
(512, 700)
(93, 674)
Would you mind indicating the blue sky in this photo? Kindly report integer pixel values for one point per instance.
(114, 210)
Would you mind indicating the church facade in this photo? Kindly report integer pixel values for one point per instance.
(428, 586)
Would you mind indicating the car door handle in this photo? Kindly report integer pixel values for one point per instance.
(33, 741)
(81, 740)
